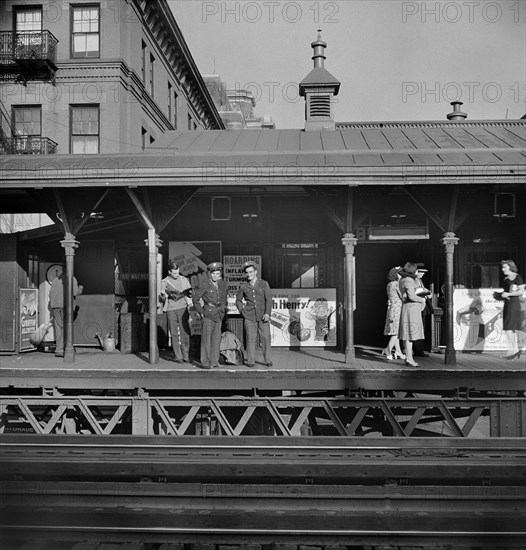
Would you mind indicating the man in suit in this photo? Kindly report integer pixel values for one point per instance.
(254, 302)
(210, 300)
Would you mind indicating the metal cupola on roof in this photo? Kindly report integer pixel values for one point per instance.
(318, 88)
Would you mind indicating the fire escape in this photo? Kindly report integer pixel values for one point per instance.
(24, 56)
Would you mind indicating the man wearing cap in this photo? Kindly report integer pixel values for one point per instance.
(419, 345)
(254, 302)
(210, 299)
(175, 295)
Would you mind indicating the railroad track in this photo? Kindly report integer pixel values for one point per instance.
(260, 490)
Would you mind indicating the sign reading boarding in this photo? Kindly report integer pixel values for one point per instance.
(303, 317)
(234, 275)
(478, 320)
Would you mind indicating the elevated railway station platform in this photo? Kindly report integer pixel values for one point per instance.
(301, 369)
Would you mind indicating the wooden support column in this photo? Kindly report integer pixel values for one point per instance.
(153, 243)
(153, 250)
(69, 244)
(349, 242)
(449, 241)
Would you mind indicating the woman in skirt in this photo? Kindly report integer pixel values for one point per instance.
(411, 326)
(392, 317)
(512, 315)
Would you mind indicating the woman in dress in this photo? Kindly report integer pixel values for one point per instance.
(411, 327)
(392, 318)
(512, 315)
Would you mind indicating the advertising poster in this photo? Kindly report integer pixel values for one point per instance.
(193, 258)
(234, 276)
(478, 320)
(303, 317)
(28, 317)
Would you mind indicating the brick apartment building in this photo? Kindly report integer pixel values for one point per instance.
(96, 77)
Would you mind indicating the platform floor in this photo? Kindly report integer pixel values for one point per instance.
(294, 369)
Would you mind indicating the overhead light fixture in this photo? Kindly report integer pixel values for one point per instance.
(97, 215)
(504, 205)
(250, 216)
(398, 217)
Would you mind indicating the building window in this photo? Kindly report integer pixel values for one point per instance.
(28, 20)
(85, 37)
(143, 138)
(170, 102)
(85, 129)
(28, 121)
(189, 122)
(151, 74)
(195, 126)
(143, 67)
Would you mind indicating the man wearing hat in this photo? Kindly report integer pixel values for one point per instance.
(210, 299)
(419, 345)
(254, 302)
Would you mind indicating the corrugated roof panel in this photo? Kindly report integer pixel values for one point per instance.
(443, 140)
(310, 141)
(368, 159)
(333, 159)
(421, 140)
(268, 140)
(289, 140)
(332, 141)
(247, 141)
(226, 141)
(354, 141)
(508, 137)
(483, 157)
(454, 158)
(205, 140)
(312, 159)
(396, 159)
(519, 131)
(488, 139)
(182, 141)
(466, 140)
(375, 139)
(397, 138)
(425, 158)
(511, 157)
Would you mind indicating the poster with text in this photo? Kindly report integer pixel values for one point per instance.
(478, 320)
(303, 317)
(28, 317)
(234, 275)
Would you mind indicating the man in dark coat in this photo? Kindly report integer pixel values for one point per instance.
(210, 299)
(254, 302)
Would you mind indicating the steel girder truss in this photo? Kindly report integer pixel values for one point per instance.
(281, 416)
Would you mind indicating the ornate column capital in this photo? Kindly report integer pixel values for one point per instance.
(349, 241)
(449, 241)
(69, 243)
(157, 241)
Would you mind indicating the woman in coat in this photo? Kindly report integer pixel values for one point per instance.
(392, 318)
(411, 326)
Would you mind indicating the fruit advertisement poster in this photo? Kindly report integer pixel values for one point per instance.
(303, 317)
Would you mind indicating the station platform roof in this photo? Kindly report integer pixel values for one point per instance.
(385, 153)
